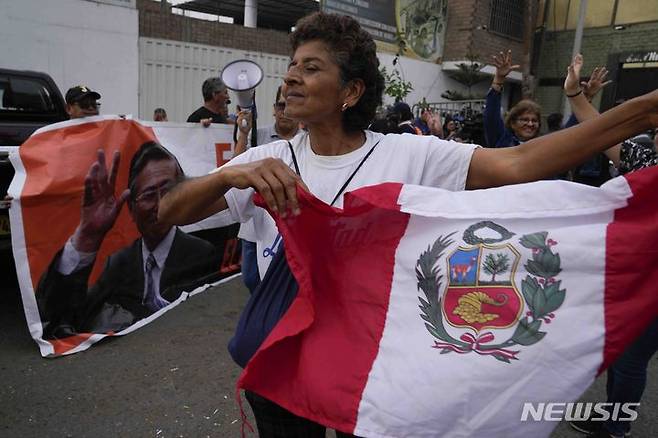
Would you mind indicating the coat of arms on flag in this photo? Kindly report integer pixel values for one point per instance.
(481, 296)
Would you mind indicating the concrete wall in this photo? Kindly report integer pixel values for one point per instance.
(428, 79)
(171, 74)
(162, 24)
(76, 42)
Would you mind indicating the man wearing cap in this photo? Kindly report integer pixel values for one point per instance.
(215, 100)
(81, 101)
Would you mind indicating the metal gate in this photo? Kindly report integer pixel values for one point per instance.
(171, 74)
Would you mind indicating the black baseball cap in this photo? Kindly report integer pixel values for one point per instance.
(79, 92)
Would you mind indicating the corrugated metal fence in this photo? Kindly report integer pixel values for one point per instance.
(171, 74)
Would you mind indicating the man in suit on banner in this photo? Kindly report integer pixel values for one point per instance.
(137, 280)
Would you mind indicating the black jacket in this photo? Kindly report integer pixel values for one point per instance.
(114, 302)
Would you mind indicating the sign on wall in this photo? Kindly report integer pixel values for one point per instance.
(420, 24)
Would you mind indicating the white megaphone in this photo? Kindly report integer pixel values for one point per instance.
(242, 77)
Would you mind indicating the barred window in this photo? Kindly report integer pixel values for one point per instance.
(507, 18)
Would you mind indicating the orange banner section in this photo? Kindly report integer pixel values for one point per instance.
(56, 163)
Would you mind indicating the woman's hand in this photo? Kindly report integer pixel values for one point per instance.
(572, 81)
(596, 82)
(272, 178)
(503, 63)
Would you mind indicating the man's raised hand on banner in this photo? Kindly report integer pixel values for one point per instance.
(100, 206)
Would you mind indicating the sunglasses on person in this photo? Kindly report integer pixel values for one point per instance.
(87, 104)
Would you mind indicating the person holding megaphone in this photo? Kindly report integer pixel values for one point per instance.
(215, 110)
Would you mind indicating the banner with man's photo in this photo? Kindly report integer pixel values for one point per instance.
(91, 258)
(420, 24)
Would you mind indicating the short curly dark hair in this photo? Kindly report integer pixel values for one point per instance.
(355, 53)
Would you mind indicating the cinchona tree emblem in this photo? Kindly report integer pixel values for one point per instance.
(481, 297)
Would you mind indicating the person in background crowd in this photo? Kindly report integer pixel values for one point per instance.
(451, 130)
(215, 96)
(215, 110)
(160, 115)
(284, 128)
(597, 169)
(627, 377)
(554, 122)
(523, 120)
(429, 123)
(137, 280)
(386, 121)
(334, 86)
(645, 140)
(406, 124)
(82, 101)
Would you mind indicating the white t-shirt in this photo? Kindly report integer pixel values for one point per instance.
(406, 158)
(265, 135)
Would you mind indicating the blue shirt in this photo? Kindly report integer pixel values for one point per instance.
(496, 135)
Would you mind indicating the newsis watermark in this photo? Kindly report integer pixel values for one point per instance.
(580, 411)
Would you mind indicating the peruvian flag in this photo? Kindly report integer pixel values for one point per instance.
(423, 312)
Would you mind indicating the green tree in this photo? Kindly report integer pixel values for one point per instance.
(494, 265)
(396, 87)
(467, 74)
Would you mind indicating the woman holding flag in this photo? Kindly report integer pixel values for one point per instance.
(333, 85)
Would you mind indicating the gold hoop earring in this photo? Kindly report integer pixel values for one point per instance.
(344, 107)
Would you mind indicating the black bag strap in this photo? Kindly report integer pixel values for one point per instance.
(294, 159)
(342, 189)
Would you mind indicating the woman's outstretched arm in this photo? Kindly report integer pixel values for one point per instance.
(197, 198)
(551, 154)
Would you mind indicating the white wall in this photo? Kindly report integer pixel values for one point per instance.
(171, 74)
(76, 42)
(428, 79)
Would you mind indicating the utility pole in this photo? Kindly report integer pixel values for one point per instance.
(577, 42)
(250, 13)
(528, 81)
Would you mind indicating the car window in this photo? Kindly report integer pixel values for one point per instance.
(25, 95)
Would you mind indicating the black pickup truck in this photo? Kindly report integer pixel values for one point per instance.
(28, 101)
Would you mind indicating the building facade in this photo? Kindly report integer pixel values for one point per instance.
(621, 35)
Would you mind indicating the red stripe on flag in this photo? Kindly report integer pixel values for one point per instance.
(316, 361)
(631, 276)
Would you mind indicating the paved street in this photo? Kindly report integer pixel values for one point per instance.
(172, 378)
